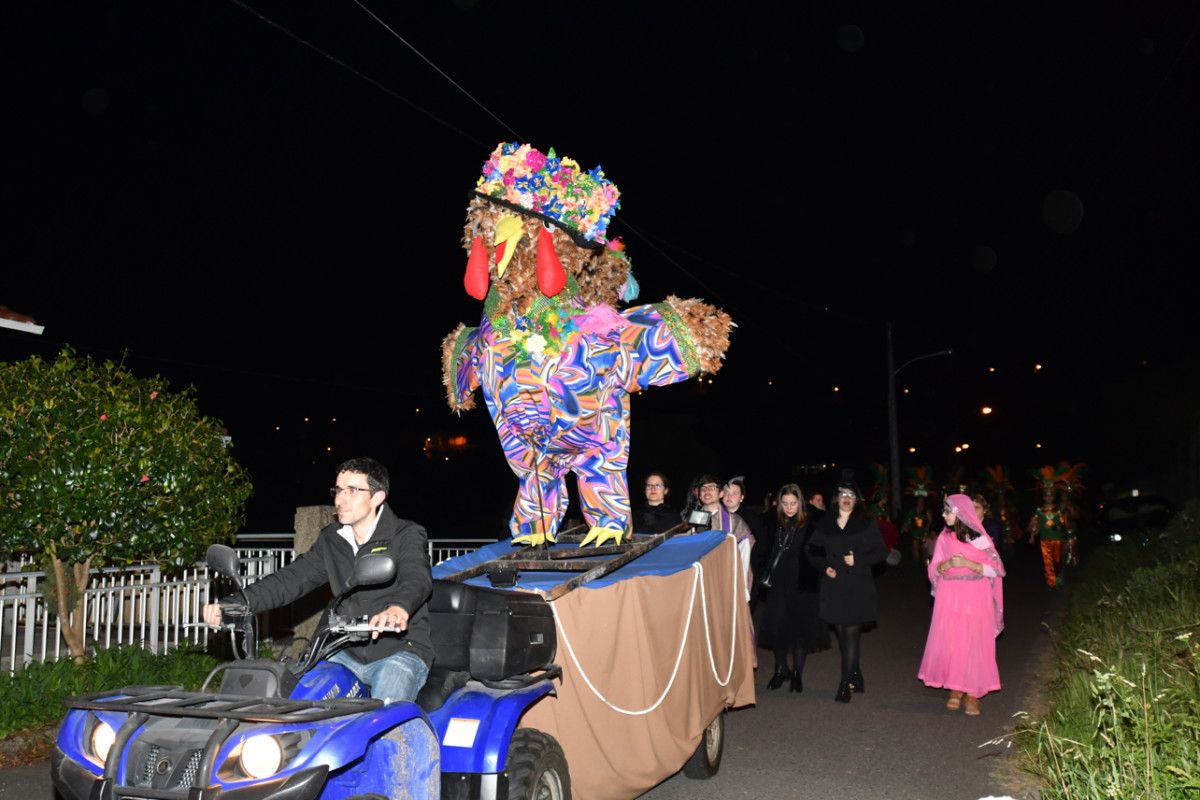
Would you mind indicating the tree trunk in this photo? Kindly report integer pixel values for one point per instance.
(74, 586)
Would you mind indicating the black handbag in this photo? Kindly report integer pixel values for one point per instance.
(784, 544)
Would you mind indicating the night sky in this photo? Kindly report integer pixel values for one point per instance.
(193, 188)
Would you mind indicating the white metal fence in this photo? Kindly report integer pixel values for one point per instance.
(138, 605)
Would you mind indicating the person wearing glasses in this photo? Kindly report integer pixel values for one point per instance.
(706, 500)
(844, 546)
(396, 660)
(657, 516)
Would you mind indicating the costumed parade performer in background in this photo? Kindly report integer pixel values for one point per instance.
(879, 510)
(1050, 526)
(555, 359)
(918, 522)
(968, 609)
(999, 489)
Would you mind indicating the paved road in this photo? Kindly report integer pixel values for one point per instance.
(895, 741)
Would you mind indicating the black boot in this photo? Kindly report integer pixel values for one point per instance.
(843, 692)
(797, 685)
(856, 681)
(779, 678)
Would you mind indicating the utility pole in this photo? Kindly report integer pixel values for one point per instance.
(893, 432)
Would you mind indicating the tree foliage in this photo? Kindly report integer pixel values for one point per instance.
(101, 467)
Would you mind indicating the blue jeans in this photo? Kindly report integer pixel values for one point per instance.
(392, 679)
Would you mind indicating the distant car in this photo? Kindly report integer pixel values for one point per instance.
(1134, 518)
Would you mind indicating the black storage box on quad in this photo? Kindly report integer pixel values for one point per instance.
(491, 633)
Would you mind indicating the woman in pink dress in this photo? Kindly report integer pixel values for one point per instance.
(968, 609)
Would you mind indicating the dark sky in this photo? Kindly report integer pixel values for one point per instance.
(194, 187)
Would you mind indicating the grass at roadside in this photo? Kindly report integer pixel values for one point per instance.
(32, 698)
(1123, 719)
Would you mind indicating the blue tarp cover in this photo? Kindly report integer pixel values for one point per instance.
(675, 554)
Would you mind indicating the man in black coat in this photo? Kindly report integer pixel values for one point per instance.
(396, 664)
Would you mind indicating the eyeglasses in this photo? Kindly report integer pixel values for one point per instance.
(353, 491)
(655, 486)
(710, 487)
(850, 495)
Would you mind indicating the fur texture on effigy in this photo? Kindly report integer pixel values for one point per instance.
(555, 359)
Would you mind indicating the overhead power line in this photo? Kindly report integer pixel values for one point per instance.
(439, 70)
(360, 74)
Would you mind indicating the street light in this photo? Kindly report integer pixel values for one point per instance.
(893, 433)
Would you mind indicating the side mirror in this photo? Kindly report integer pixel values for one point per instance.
(371, 570)
(222, 558)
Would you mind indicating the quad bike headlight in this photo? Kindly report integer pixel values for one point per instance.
(261, 756)
(102, 740)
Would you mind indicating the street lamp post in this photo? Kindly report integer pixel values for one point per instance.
(893, 433)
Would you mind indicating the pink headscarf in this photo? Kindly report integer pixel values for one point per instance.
(964, 509)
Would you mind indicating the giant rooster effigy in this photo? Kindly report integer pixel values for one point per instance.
(555, 358)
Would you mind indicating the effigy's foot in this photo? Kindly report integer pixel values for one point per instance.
(534, 539)
(599, 536)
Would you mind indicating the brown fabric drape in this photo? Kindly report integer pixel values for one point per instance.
(625, 639)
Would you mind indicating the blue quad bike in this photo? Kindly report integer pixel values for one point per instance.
(304, 729)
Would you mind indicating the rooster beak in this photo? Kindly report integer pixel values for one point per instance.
(509, 231)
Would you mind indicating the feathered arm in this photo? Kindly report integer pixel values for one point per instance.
(460, 373)
(707, 329)
(671, 341)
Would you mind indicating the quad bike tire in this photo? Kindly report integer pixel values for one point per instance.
(536, 767)
(705, 762)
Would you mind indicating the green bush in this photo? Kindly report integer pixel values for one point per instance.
(1124, 719)
(101, 467)
(33, 698)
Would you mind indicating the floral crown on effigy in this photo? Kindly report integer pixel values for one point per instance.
(556, 189)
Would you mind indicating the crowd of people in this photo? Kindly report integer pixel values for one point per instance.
(813, 572)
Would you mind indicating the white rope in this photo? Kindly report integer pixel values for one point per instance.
(737, 564)
(697, 575)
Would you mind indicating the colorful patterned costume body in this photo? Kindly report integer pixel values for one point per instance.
(569, 411)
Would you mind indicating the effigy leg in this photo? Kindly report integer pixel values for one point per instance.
(541, 501)
(604, 493)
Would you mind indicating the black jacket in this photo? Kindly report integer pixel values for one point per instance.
(331, 561)
(848, 599)
(655, 519)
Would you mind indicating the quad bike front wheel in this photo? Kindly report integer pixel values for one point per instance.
(537, 768)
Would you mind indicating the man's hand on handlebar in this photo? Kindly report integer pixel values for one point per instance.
(219, 614)
(392, 618)
(212, 614)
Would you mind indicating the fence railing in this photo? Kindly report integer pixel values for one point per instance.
(138, 605)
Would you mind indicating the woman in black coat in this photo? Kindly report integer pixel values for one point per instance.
(657, 516)
(845, 545)
(791, 622)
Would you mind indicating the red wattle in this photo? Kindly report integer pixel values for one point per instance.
(550, 273)
(475, 281)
